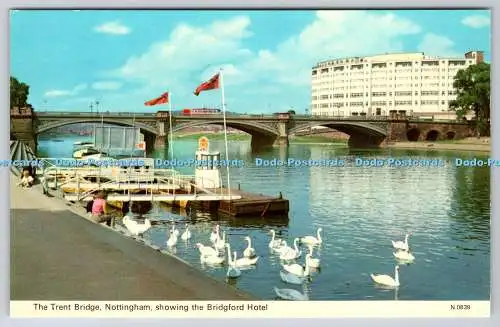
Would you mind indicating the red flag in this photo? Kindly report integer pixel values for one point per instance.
(212, 83)
(160, 100)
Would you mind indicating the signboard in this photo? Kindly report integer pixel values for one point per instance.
(203, 144)
(141, 145)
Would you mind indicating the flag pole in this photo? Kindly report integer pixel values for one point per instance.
(225, 131)
(171, 141)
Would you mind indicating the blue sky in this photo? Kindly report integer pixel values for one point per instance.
(71, 58)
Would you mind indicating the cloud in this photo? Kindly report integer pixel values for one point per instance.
(476, 21)
(106, 85)
(115, 28)
(61, 93)
(192, 51)
(191, 54)
(438, 45)
(188, 53)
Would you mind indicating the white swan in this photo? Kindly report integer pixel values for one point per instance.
(291, 278)
(243, 262)
(232, 271)
(175, 231)
(291, 254)
(220, 244)
(212, 259)
(399, 245)
(249, 251)
(275, 242)
(186, 235)
(134, 227)
(172, 240)
(215, 234)
(289, 294)
(312, 262)
(311, 239)
(404, 255)
(283, 248)
(297, 269)
(386, 279)
(207, 251)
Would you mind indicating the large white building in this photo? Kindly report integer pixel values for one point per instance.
(406, 83)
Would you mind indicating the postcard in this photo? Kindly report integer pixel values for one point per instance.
(250, 163)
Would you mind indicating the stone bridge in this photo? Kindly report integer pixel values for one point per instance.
(266, 130)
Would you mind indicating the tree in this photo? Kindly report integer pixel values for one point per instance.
(19, 92)
(473, 94)
(291, 112)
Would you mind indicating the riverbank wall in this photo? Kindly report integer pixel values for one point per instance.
(58, 254)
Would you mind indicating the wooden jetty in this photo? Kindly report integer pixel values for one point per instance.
(245, 204)
(203, 190)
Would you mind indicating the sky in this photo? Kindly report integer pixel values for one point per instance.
(122, 58)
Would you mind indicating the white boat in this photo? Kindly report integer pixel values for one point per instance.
(85, 150)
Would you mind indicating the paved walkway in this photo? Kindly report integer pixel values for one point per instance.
(58, 255)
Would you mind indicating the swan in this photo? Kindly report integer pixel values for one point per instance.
(289, 253)
(212, 259)
(249, 251)
(386, 279)
(312, 262)
(275, 242)
(311, 239)
(289, 294)
(291, 278)
(283, 248)
(297, 269)
(243, 262)
(220, 243)
(404, 255)
(232, 271)
(215, 234)
(186, 235)
(207, 251)
(172, 240)
(401, 245)
(134, 227)
(175, 231)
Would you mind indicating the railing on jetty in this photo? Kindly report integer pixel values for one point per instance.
(156, 183)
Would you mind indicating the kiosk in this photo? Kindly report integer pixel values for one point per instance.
(207, 171)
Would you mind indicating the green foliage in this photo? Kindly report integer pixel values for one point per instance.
(473, 95)
(19, 92)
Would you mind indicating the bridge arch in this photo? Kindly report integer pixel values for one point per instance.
(362, 134)
(413, 134)
(432, 135)
(143, 127)
(262, 135)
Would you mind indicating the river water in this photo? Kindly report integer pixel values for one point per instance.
(360, 209)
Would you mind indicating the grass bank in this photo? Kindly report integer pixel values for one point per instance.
(470, 144)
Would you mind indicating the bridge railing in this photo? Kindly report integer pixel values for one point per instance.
(247, 116)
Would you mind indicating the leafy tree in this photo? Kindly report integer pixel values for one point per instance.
(291, 112)
(19, 92)
(473, 94)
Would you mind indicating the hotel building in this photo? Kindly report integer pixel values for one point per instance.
(407, 83)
